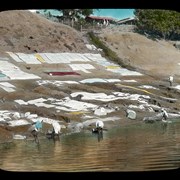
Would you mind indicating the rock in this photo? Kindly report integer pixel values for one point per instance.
(16, 115)
(101, 111)
(18, 136)
(177, 45)
(131, 114)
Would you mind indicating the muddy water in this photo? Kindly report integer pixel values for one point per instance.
(142, 147)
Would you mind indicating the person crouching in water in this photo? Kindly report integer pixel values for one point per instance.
(99, 129)
(164, 115)
(36, 127)
(99, 126)
(56, 130)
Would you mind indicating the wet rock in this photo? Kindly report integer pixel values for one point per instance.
(131, 114)
(18, 136)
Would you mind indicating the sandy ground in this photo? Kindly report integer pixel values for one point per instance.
(154, 57)
(33, 33)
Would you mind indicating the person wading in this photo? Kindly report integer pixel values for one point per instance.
(164, 115)
(55, 132)
(56, 129)
(35, 129)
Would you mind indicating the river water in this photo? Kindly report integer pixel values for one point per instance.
(140, 147)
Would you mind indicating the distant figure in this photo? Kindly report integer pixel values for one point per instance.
(171, 80)
(107, 23)
(56, 127)
(164, 115)
(99, 129)
(104, 22)
(99, 126)
(56, 130)
(36, 127)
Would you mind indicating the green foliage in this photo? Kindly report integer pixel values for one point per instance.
(76, 13)
(159, 23)
(108, 52)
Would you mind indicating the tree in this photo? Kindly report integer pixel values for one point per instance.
(76, 13)
(159, 23)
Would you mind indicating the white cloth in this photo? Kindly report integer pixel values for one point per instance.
(57, 127)
(100, 111)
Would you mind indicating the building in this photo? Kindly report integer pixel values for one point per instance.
(127, 21)
(100, 20)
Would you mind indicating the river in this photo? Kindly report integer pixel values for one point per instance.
(140, 147)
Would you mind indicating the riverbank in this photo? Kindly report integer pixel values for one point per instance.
(100, 90)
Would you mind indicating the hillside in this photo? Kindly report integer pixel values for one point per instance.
(23, 31)
(40, 47)
(153, 57)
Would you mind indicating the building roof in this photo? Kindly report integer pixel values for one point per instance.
(125, 20)
(101, 18)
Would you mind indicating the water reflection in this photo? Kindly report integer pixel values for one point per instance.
(99, 135)
(140, 147)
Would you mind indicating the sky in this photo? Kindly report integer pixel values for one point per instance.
(114, 13)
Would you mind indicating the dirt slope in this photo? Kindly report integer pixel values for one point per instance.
(23, 31)
(153, 57)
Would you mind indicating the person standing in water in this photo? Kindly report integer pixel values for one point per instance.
(56, 129)
(164, 115)
(35, 128)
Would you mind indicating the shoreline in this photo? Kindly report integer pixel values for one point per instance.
(101, 82)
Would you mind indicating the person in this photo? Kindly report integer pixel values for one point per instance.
(36, 127)
(99, 126)
(164, 115)
(56, 129)
(99, 129)
(171, 80)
